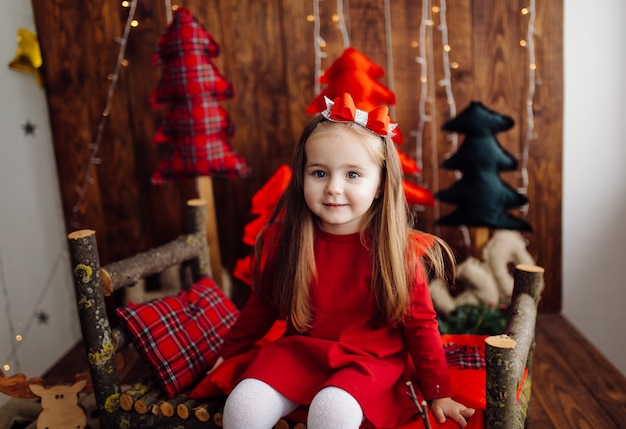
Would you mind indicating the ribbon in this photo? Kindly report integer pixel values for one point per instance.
(343, 109)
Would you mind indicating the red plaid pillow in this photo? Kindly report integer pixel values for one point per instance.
(180, 336)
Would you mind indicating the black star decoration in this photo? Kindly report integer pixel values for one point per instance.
(42, 317)
(29, 128)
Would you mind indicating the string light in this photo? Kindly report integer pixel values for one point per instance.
(422, 60)
(168, 11)
(318, 43)
(446, 82)
(342, 24)
(9, 319)
(390, 74)
(62, 256)
(88, 180)
(95, 145)
(529, 44)
(426, 64)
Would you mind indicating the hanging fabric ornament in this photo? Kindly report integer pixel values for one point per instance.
(482, 197)
(194, 125)
(354, 73)
(263, 203)
(28, 54)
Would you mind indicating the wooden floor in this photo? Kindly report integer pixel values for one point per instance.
(574, 386)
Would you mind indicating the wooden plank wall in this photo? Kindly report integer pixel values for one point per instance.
(268, 54)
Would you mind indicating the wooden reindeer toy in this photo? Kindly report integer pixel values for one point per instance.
(60, 409)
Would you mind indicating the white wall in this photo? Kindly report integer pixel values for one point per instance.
(35, 274)
(594, 197)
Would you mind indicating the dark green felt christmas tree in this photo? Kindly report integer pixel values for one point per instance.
(481, 196)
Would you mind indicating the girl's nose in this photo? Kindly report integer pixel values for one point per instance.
(333, 186)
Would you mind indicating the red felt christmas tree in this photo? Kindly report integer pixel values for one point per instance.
(195, 127)
(353, 72)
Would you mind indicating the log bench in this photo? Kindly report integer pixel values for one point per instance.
(142, 405)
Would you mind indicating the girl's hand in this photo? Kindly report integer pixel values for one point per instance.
(443, 408)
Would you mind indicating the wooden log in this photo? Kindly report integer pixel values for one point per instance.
(184, 410)
(121, 338)
(136, 391)
(203, 264)
(217, 419)
(281, 424)
(205, 189)
(202, 413)
(95, 328)
(501, 382)
(508, 355)
(142, 405)
(155, 407)
(480, 239)
(168, 406)
(128, 271)
(528, 286)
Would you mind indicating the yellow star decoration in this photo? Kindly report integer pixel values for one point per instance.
(28, 55)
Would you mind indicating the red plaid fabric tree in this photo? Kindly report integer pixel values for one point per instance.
(194, 125)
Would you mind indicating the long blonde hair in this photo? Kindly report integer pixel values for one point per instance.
(285, 262)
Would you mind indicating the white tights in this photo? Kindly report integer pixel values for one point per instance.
(255, 404)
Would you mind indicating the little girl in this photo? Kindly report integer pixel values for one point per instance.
(339, 262)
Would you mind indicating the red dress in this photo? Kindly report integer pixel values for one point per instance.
(341, 348)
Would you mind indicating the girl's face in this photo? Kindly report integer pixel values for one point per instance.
(341, 177)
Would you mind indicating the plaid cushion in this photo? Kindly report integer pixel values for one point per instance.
(180, 336)
(464, 351)
(464, 357)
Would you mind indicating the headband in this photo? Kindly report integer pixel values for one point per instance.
(343, 109)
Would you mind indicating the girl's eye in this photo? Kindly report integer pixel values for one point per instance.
(353, 175)
(319, 173)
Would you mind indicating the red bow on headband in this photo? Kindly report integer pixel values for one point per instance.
(343, 109)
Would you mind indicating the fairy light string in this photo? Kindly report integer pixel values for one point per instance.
(318, 44)
(18, 334)
(95, 145)
(343, 28)
(9, 321)
(422, 60)
(446, 83)
(389, 44)
(529, 44)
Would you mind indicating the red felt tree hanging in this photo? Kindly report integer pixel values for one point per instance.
(353, 72)
(195, 127)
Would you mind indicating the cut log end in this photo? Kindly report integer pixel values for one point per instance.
(81, 233)
(196, 202)
(530, 268)
(202, 413)
(107, 284)
(217, 419)
(282, 424)
(126, 402)
(182, 411)
(167, 409)
(501, 341)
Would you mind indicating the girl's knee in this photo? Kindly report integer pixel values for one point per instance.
(333, 407)
(253, 403)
